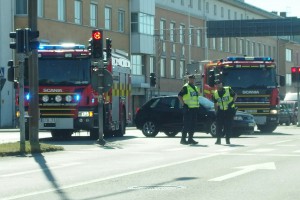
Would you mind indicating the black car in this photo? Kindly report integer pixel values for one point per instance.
(165, 114)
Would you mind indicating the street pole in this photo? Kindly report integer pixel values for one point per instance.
(33, 109)
(21, 102)
(101, 141)
(298, 98)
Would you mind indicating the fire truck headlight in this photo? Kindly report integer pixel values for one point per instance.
(45, 98)
(68, 98)
(58, 98)
(85, 114)
(273, 112)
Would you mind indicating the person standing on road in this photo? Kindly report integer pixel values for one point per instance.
(188, 97)
(224, 98)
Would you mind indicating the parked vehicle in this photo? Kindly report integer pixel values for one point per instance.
(290, 107)
(285, 115)
(164, 114)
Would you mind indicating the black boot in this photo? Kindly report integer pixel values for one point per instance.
(183, 139)
(227, 140)
(191, 140)
(218, 141)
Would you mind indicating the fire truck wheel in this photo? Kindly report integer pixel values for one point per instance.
(150, 129)
(61, 134)
(267, 128)
(171, 134)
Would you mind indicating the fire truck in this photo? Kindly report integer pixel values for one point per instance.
(254, 79)
(67, 100)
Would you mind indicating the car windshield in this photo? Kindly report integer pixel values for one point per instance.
(206, 103)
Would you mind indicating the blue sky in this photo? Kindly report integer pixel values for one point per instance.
(292, 7)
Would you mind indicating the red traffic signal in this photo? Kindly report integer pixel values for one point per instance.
(97, 44)
(97, 35)
(295, 74)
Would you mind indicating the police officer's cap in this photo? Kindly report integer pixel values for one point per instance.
(192, 76)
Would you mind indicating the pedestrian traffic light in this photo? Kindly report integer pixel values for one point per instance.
(108, 48)
(295, 74)
(19, 43)
(152, 79)
(31, 41)
(11, 71)
(97, 44)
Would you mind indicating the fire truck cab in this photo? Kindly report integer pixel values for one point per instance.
(254, 79)
(67, 101)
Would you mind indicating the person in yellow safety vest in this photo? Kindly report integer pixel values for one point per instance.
(224, 98)
(188, 97)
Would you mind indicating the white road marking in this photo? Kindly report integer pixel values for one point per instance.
(245, 169)
(279, 142)
(298, 151)
(107, 178)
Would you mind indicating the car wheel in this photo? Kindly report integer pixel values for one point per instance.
(213, 129)
(171, 134)
(150, 129)
(288, 122)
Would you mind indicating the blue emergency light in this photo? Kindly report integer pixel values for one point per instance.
(61, 46)
(249, 59)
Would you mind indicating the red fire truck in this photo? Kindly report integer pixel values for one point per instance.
(254, 79)
(67, 100)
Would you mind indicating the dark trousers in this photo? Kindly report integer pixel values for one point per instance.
(189, 122)
(224, 123)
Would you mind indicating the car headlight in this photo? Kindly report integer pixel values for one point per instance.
(238, 118)
(85, 113)
(274, 112)
(68, 98)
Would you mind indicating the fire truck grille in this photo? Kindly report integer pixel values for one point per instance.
(57, 112)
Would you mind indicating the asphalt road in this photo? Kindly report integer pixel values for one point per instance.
(254, 167)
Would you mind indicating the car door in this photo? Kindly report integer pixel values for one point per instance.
(169, 113)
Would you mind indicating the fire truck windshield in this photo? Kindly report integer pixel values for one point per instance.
(64, 71)
(249, 77)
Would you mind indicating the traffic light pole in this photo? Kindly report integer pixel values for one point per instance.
(33, 82)
(298, 99)
(21, 102)
(101, 141)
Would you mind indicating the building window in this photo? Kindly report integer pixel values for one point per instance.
(162, 29)
(241, 46)
(191, 35)
(207, 7)
(107, 18)
(142, 23)
(181, 70)
(172, 32)
(136, 64)
(21, 7)
(229, 14)
(215, 10)
(182, 2)
(222, 12)
(40, 8)
(121, 20)
(151, 64)
(191, 4)
(199, 4)
(173, 48)
(162, 67)
(221, 44)
(93, 15)
(181, 34)
(61, 7)
(199, 35)
(172, 68)
(288, 55)
(77, 12)
(213, 43)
